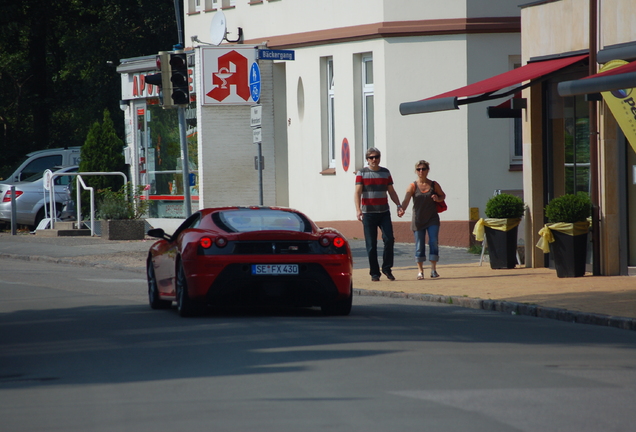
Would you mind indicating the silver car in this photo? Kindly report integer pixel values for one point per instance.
(31, 198)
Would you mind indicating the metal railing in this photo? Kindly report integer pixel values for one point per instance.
(80, 184)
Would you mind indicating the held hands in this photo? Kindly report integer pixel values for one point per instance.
(400, 212)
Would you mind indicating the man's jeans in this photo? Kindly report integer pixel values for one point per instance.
(371, 222)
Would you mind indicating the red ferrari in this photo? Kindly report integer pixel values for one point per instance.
(250, 256)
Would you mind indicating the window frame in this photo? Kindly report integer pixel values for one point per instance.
(367, 91)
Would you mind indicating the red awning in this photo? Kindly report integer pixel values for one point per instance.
(622, 77)
(626, 68)
(485, 89)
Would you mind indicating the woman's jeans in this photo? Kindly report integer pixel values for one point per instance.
(371, 222)
(420, 244)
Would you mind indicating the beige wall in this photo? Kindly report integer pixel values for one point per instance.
(618, 22)
(554, 28)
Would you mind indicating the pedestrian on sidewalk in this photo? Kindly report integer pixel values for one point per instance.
(373, 183)
(426, 194)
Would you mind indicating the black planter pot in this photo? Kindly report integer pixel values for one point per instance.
(570, 253)
(502, 248)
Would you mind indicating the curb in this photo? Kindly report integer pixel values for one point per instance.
(512, 308)
(71, 262)
(507, 307)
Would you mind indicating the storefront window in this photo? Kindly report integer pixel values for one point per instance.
(567, 140)
(577, 145)
(164, 175)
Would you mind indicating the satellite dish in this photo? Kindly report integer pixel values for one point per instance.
(218, 28)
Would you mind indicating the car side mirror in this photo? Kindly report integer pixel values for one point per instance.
(159, 233)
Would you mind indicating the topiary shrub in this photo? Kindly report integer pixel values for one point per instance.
(505, 206)
(569, 208)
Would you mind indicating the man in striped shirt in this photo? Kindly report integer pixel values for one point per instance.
(372, 208)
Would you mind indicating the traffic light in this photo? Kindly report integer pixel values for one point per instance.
(180, 88)
(162, 79)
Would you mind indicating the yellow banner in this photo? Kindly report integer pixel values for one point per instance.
(622, 105)
(494, 223)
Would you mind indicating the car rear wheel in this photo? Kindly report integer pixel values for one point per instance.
(186, 307)
(340, 307)
(41, 213)
(153, 290)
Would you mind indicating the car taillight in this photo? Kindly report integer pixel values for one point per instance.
(221, 242)
(205, 242)
(324, 241)
(338, 242)
(7, 196)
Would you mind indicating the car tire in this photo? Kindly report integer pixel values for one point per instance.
(153, 289)
(341, 307)
(186, 307)
(40, 216)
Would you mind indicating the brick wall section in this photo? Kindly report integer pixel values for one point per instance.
(226, 153)
(451, 233)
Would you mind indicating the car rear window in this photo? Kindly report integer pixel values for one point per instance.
(247, 220)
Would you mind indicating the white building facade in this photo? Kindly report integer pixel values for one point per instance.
(354, 63)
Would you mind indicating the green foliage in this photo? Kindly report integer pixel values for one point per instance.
(102, 152)
(123, 204)
(569, 208)
(57, 66)
(474, 249)
(505, 206)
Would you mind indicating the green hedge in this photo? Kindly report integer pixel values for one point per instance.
(505, 206)
(569, 208)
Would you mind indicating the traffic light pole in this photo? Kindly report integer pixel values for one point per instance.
(185, 165)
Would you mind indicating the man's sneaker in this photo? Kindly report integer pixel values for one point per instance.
(389, 275)
(375, 278)
(434, 274)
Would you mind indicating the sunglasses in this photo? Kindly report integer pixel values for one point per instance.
(373, 157)
(421, 169)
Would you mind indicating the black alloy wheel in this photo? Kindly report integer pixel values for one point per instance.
(153, 290)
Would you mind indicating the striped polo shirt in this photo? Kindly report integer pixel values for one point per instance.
(374, 189)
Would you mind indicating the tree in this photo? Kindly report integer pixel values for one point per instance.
(103, 152)
(57, 66)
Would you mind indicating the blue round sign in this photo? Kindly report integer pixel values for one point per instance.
(255, 82)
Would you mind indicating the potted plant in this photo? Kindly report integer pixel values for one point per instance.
(120, 213)
(503, 215)
(565, 234)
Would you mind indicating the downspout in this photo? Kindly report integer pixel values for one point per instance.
(594, 169)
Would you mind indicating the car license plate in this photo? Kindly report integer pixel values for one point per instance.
(275, 269)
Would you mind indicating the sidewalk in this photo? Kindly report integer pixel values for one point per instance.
(601, 300)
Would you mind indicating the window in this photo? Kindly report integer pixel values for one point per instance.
(195, 6)
(368, 123)
(577, 145)
(566, 140)
(331, 119)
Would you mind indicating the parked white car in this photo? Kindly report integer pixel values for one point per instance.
(31, 197)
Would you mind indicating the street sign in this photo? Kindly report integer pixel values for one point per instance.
(255, 115)
(266, 54)
(257, 136)
(46, 177)
(255, 82)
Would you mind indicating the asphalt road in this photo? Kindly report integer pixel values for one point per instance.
(81, 351)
